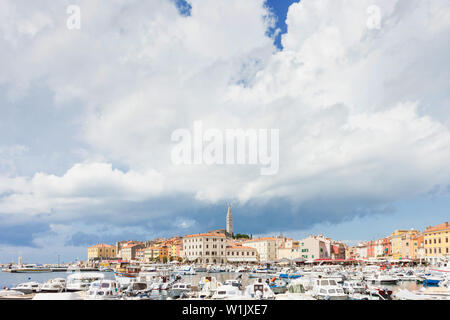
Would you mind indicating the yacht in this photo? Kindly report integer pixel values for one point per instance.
(103, 290)
(28, 287)
(54, 285)
(259, 290)
(227, 292)
(233, 282)
(382, 278)
(353, 286)
(80, 281)
(180, 289)
(328, 289)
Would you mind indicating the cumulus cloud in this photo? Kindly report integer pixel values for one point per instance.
(362, 112)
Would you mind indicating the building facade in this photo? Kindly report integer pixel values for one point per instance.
(101, 252)
(436, 242)
(237, 253)
(266, 248)
(205, 248)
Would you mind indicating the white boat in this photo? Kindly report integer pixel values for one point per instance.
(103, 290)
(232, 282)
(180, 289)
(296, 291)
(10, 293)
(227, 292)
(54, 285)
(259, 290)
(353, 286)
(28, 287)
(80, 281)
(58, 296)
(382, 278)
(209, 286)
(328, 289)
(436, 293)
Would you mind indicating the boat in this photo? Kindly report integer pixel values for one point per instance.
(227, 292)
(295, 291)
(259, 290)
(278, 285)
(126, 273)
(80, 281)
(7, 293)
(180, 289)
(31, 268)
(58, 296)
(28, 287)
(382, 278)
(328, 289)
(232, 282)
(353, 286)
(54, 285)
(103, 290)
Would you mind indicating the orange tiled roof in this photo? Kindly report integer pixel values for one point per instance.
(205, 235)
(438, 227)
(130, 245)
(102, 245)
(240, 247)
(260, 239)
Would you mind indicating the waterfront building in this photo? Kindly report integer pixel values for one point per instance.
(205, 247)
(402, 241)
(128, 252)
(101, 252)
(436, 242)
(315, 247)
(418, 248)
(266, 248)
(237, 253)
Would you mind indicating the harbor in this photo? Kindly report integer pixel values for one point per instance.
(232, 282)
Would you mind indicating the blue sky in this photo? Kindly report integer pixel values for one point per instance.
(86, 119)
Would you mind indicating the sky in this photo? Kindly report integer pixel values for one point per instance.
(359, 91)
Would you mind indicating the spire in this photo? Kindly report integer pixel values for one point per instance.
(229, 221)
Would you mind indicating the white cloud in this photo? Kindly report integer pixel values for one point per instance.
(362, 113)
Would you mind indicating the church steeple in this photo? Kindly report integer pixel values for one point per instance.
(229, 227)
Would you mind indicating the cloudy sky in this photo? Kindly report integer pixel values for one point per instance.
(360, 90)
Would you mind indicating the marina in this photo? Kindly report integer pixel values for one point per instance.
(232, 282)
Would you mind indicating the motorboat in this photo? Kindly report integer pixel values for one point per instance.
(353, 286)
(232, 282)
(103, 290)
(227, 292)
(58, 296)
(278, 285)
(28, 287)
(328, 289)
(209, 286)
(259, 290)
(7, 293)
(382, 278)
(295, 291)
(80, 281)
(54, 285)
(180, 289)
